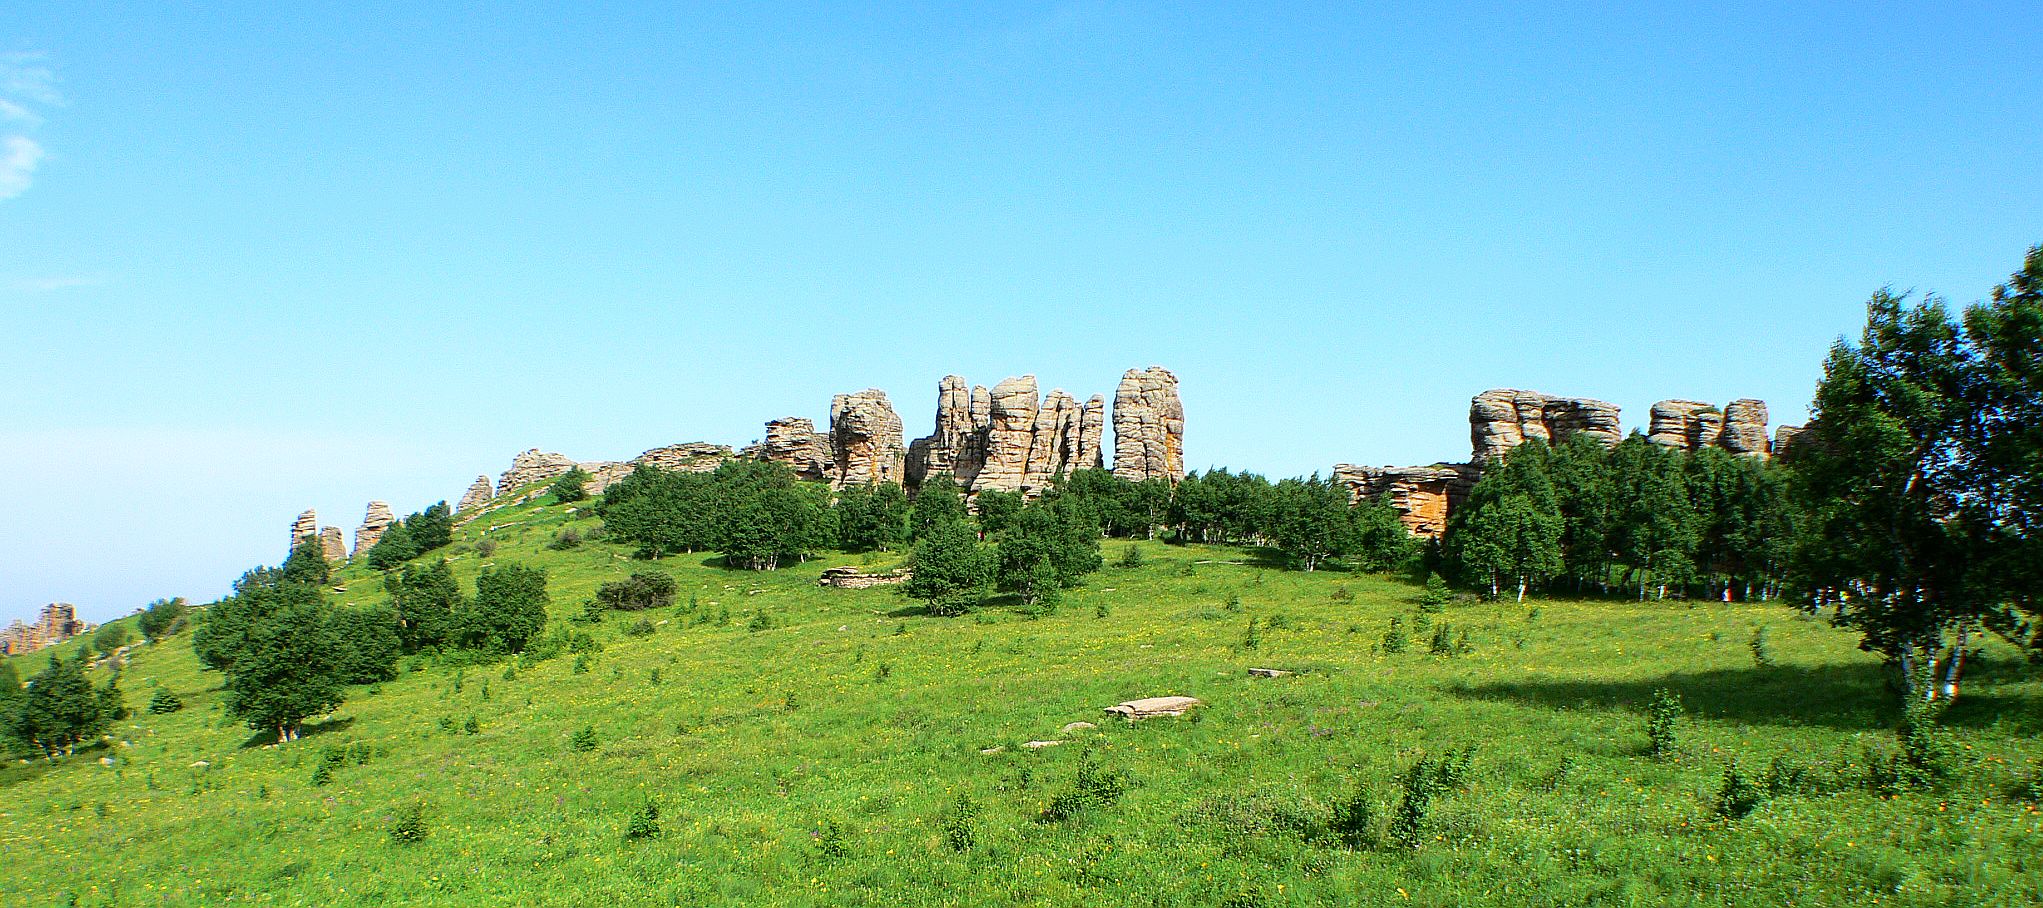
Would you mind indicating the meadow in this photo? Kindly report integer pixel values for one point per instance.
(814, 746)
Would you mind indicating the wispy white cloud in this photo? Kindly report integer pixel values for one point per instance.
(55, 284)
(25, 83)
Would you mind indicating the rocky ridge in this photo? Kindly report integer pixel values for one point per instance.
(57, 623)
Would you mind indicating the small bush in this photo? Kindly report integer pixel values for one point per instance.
(1443, 640)
(1092, 788)
(1663, 718)
(1408, 822)
(565, 539)
(572, 486)
(165, 702)
(1131, 558)
(410, 827)
(1254, 638)
(1786, 776)
(644, 822)
(1394, 638)
(1233, 604)
(1354, 822)
(830, 837)
(486, 548)
(583, 741)
(643, 627)
(1738, 797)
(761, 621)
(642, 590)
(583, 663)
(958, 831)
(473, 726)
(1436, 594)
(1341, 594)
(1761, 655)
(1100, 610)
(880, 674)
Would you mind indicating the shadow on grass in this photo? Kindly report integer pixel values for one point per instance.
(1851, 697)
(15, 773)
(262, 738)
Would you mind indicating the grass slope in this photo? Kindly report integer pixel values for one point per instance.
(815, 762)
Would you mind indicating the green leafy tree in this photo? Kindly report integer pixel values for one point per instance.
(998, 511)
(365, 644)
(642, 590)
(432, 528)
(162, 618)
(872, 517)
(937, 502)
(663, 512)
(1382, 542)
(508, 611)
(307, 563)
(393, 548)
(285, 669)
(1656, 523)
(950, 570)
(572, 486)
(425, 599)
(1050, 547)
(2002, 474)
(60, 709)
(1312, 521)
(1583, 493)
(109, 637)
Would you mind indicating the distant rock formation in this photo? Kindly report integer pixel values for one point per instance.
(376, 522)
(686, 457)
(333, 544)
(1503, 418)
(56, 624)
(865, 440)
(1422, 496)
(530, 467)
(479, 493)
(1785, 436)
(1008, 439)
(794, 441)
(1149, 426)
(306, 526)
(1739, 427)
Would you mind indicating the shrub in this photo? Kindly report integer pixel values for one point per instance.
(486, 548)
(583, 741)
(830, 838)
(571, 486)
(1254, 637)
(583, 663)
(1408, 822)
(958, 831)
(1091, 788)
(110, 636)
(1443, 640)
(565, 539)
(643, 627)
(642, 590)
(1761, 655)
(1738, 797)
(410, 827)
(761, 621)
(1436, 594)
(1394, 638)
(1131, 558)
(1233, 603)
(1354, 822)
(1341, 594)
(162, 618)
(1663, 716)
(1786, 776)
(644, 822)
(165, 702)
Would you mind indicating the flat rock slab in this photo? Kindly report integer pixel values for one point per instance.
(1039, 745)
(1269, 673)
(1152, 707)
(1076, 726)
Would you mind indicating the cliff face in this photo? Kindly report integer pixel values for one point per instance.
(1504, 418)
(1149, 426)
(865, 440)
(56, 623)
(1007, 438)
(1740, 427)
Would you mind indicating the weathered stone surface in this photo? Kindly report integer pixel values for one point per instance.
(1745, 428)
(1149, 426)
(1685, 424)
(689, 457)
(333, 544)
(795, 442)
(1006, 438)
(1422, 496)
(479, 493)
(306, 526)
(378, 520)
(1070, 727)
(1152, 707)
(533, 466)
(1269, 673)
(56, 623)
(1503, 418)
(865, 440)
(1784, 437)
(1039, 745)
(851, 578)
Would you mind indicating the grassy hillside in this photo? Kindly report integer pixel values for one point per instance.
(811, 750)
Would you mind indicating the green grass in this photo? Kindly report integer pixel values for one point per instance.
(788, 771)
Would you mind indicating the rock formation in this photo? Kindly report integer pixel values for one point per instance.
(1007, 438)
(479, 493)
(1785, 436)
(307, 525)
(851, 578)
(1503, 418)
(1422, 496)
(1149, 426)
(794, 441)
(1685, 424)
(865, 440)
(687, 457)
(375, 523)
(1745, 428)
(333, 544)
(530, 467)
(56, 624)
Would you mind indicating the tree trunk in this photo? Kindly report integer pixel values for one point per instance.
(1521, 589)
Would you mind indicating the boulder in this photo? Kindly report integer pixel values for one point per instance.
(1685, 424)
(479, 493)
(377, 521)
(851, 578)
(1039, 745)
(1153, 707)
(533, 466)
(1269, 673)
(1070, 727)
(865, 440)
(1149, 426)
(1422, 496)
(1503, 418)
(794, 441)
(1785, 436)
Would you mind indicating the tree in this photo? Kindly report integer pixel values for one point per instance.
(393, 548)
(286, 668)
(508, 610)
(1312, 521)
(109, 637)
(1050, 547)
(1580, 472)
(1882, 473)
(642, 590)
(431, 528)
(1381, 541)
(60, 709)
(424, 599)
(998, 511)
(872, 517)
(365, 644)
(2003, 477)
(572, 486)
(662, 512)
(1655, 526)
(938, 501)
(950, 570)
(306, 564)
(162, 618)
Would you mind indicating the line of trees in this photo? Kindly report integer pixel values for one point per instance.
(419, 534)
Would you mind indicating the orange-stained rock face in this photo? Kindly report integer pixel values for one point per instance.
(57, 623)
(1423, 497)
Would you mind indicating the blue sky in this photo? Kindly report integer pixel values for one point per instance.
(252, 263)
